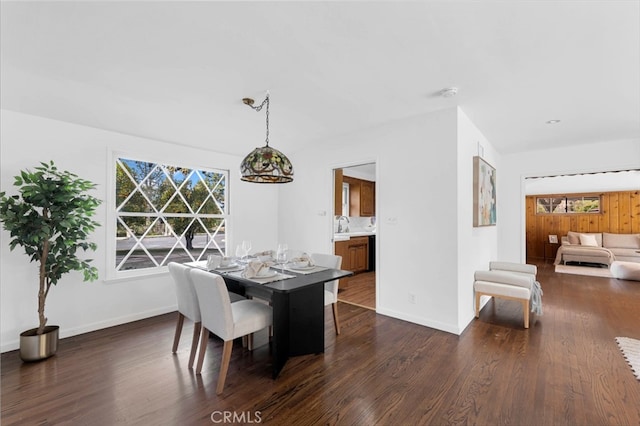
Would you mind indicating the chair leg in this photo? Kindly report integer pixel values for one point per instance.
(197, 327)
(525, 307)
(478, 296)
(250, 341)
(336, 321)
(176, 338)
(204, 336)
(224, 365)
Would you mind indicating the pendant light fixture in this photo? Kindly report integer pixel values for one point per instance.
(265, 165)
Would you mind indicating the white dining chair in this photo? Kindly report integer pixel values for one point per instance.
(330, 288)
(188, 306)
(226, 320)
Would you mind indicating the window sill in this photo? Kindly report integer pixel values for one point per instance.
(135, 276)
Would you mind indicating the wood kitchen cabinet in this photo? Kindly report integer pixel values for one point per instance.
(337, 190)
(362, 194)
(355, 254)
(367, 198)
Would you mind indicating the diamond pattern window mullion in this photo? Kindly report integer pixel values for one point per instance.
(163, 203)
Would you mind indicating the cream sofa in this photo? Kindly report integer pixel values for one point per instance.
(600, 247)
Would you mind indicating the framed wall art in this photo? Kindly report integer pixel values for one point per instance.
(484, 193)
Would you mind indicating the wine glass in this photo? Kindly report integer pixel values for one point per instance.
(281, 255)
(239, 252)
(246, 246)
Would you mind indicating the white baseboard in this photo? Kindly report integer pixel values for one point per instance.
(13, 345)
(449, 328)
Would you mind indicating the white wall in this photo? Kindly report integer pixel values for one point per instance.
(476, 246)
(610, 155)
(77, 306)
(417, 209)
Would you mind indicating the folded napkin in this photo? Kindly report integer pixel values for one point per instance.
(304, 258)
(264, 256)
(254, 268)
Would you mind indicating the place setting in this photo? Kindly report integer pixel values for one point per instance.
(222, 264)
(261, 267)
(256, 267)
(302, 264)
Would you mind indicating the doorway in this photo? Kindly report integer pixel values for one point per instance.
(354, 232)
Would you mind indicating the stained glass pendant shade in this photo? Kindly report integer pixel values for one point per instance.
(266, 164)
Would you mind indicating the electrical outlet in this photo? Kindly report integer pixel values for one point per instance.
(412, 298)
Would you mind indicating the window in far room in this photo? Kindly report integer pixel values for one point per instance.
(167, 213)
(563, 205)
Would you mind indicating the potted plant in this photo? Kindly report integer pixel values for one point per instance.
(51, 220)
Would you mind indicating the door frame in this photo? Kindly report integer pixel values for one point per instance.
(353, 163)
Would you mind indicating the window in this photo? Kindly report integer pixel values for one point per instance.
(345, 199)
(562, 205)
(167, 213)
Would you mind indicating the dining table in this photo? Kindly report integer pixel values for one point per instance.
(297, 300)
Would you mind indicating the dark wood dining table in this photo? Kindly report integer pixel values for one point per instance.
(298, 310)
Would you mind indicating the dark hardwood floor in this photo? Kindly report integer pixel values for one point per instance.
(359, 290)
(565, 370)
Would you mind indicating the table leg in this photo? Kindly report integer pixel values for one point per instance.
(298, 324)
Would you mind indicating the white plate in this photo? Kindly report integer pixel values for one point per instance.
(222, 268)
(302, 268)
(271, 273)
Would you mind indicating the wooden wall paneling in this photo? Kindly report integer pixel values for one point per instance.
(583, 223)
(565, 224)
(620, 214)
(604, 209)
(540, 236)
(625, 210)
(635, 212)
(573, 223)
(530, 226)
(549, 225)
(613, 212)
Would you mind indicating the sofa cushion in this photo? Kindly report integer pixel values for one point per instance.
(504, 277)
(626, 254)
(574, 237)
(497, 289)
(629, 241)
(588, 240)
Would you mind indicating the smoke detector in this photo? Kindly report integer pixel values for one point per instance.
(449, 92)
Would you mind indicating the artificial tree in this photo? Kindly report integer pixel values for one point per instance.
(51, 220)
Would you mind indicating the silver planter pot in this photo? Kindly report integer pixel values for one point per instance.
(36, 347)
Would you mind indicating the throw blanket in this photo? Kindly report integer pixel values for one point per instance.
(536, 298)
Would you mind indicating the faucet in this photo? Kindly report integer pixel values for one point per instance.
(340, 228)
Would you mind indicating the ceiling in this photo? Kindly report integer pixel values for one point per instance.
(177, 71)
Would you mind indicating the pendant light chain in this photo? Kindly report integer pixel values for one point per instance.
(259, 108)
(267, 101)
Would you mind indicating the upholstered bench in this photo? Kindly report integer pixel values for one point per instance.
(506, 280)
(625, 270)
